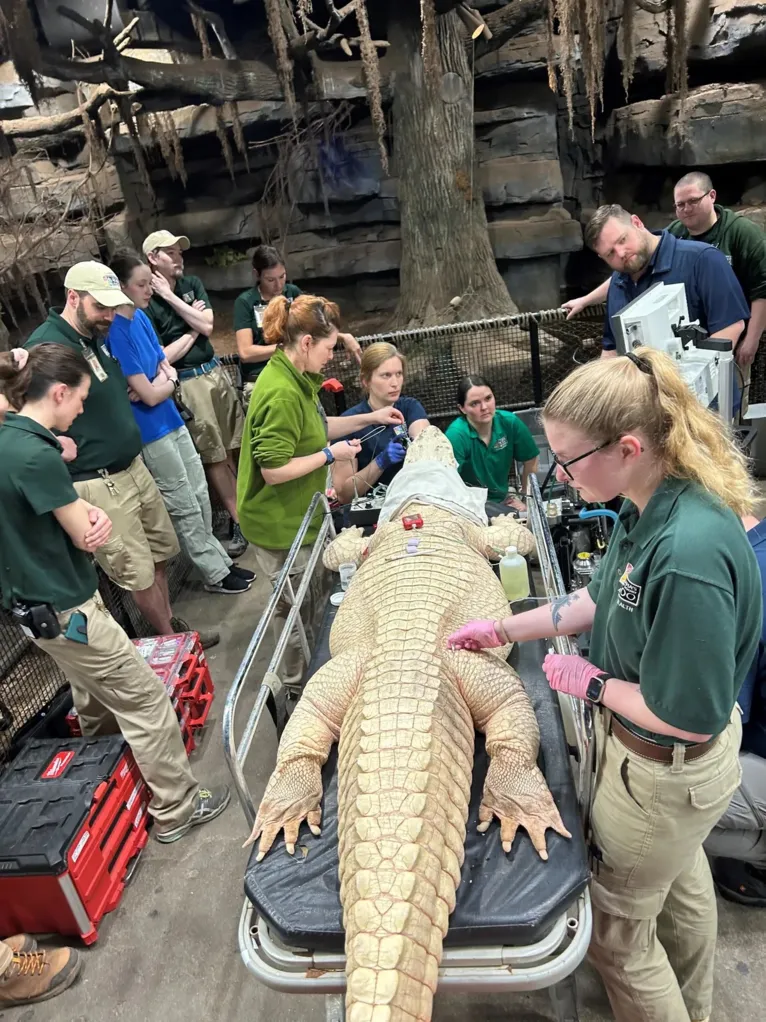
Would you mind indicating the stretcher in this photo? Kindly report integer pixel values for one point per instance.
(519, 924)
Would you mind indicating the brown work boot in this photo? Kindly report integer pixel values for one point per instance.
(37, 976)
(21, 943)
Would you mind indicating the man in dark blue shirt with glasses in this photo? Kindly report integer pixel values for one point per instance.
(641, 258)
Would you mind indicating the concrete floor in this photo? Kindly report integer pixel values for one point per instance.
(169, 952)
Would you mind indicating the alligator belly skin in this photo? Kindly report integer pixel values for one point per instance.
(404, 709)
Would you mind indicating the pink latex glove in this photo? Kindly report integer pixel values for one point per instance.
(479, 634)
(569, 674)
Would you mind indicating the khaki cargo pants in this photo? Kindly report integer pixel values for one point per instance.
(113, 690)
(271, 563)
(654, 909)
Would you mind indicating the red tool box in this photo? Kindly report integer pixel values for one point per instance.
(180, 663)
(73, 818)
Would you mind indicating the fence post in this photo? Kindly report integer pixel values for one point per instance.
(537, 371)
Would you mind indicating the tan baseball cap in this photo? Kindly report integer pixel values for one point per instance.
(164, 239)
(99, 282)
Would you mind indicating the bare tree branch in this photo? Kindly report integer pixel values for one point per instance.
(29, 127)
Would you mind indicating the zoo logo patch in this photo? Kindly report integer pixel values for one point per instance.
(189, 297)
(500, 443)
(628, 593)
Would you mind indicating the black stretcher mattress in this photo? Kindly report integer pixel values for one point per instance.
(509, 899)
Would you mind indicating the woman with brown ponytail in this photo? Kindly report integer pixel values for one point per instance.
(285, 450)
(675, 617)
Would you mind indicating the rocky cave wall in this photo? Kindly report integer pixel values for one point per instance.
(540, 182)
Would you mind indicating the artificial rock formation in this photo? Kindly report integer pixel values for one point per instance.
(404, 708)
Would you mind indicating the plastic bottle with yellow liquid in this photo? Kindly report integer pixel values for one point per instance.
(514, 575)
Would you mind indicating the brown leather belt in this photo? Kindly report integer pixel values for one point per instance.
(651, 750)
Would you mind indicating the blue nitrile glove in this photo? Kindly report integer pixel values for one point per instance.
(393, 455)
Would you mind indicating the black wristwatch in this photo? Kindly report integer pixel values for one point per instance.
(329, 455)
(595, 688)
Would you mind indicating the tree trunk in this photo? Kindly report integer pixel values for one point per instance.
(446, 252)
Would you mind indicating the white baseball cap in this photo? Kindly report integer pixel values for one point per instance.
(99, 282)
(164, 239)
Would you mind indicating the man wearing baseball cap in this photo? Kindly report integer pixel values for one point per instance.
(181, 314)
(105, 444)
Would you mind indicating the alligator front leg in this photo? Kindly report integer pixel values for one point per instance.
(294, 791)
(349, 546)
(515, 790)
(505, 531)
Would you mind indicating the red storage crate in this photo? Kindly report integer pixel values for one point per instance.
(73, 817)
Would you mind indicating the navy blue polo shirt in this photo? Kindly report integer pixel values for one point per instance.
(411, 409)
(713, 293)
(752, 696)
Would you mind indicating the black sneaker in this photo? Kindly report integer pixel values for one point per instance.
(238, 543)
(232, 585)
(740, 881)
(209, 804)
(243, 573)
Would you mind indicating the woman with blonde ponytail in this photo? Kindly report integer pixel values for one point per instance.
(675, 614)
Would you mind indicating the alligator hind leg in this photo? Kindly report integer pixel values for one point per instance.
(515, 790)
(294, 791)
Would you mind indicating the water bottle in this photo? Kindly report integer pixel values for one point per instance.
(514, 575)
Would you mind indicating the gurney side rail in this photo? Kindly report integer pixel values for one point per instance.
(236, 754)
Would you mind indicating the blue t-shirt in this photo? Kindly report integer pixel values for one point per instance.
(134, 344)
(411, 409)
(713, 294)
(752, 696)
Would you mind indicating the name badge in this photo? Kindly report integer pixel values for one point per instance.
(95, 366)
(189, 298)
(258, 312)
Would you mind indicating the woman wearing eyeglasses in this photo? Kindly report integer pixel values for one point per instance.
(674, 615)
(489, 443)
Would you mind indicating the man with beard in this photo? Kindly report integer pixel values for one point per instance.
(640, 258)
(183, 319)
(103, 447)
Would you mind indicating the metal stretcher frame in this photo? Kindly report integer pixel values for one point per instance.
(549, 963)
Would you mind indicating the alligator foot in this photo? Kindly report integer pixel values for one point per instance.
(294, 794)
(517, 794)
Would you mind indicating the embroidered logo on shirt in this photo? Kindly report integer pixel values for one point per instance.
(628, 593)
(501, 443)
(189, 297)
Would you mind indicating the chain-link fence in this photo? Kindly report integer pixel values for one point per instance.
(523, 357)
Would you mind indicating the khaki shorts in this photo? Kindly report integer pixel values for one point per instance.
(218, 419)
(142, 533)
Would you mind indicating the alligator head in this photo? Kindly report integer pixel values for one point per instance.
(431, 445)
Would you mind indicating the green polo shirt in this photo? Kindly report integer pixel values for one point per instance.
(39, 563)
(248, 315)
(106, 433)
(284, 422)
(490, 465)
(679, 607)
(170, 326)
(742, 242)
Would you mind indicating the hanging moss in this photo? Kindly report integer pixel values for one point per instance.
(171, 131)
(371, 70)
(232, 112)
(628, 49)
(223, 138)
(200, 27)
(279, 41)
(159, 134)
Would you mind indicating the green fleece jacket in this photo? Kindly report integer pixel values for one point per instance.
(742, 242)
(283, 422)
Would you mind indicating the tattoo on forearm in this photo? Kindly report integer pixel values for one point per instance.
(557, 606)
